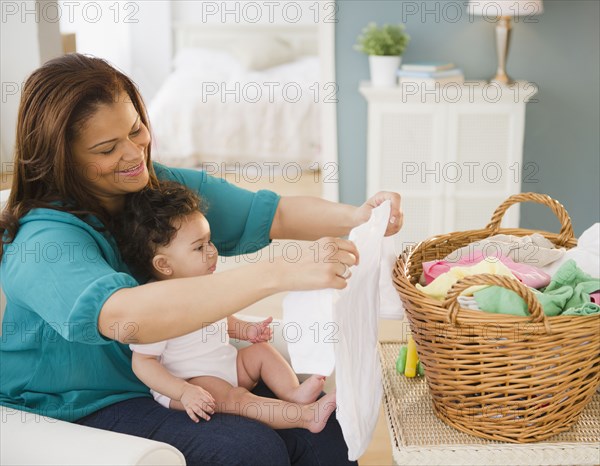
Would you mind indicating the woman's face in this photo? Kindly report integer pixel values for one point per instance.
(110, 152)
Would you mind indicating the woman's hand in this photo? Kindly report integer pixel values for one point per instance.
(363, 213)
(320, 264)
(258, 332)
(197, 402)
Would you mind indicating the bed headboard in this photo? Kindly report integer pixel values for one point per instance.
(303, 38)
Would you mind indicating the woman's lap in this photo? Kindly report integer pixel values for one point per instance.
(225, 439)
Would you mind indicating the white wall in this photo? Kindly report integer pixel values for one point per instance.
(246, 12)
(26, 41)
(133, 36)
(101, 29)
(151, 46)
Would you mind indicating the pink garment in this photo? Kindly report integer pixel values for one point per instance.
(595, 297)
(527, 274)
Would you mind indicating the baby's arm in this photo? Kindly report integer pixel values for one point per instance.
(254, 332)
(195, 400)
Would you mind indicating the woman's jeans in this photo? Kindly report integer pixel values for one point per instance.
(226, 439)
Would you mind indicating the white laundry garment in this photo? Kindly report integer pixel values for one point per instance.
(354, 311)
(586, 254)
(534, 249)
(310, 331)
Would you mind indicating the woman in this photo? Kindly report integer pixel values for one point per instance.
(72, 304)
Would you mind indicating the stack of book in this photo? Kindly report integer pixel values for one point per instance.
(430, 73)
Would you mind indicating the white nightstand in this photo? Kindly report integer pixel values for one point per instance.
(454, 152)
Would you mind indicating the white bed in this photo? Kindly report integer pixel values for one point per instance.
(240, 95)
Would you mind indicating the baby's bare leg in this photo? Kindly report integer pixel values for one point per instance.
(274, 413)
(262, 361)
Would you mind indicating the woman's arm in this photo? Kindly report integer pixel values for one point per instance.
(309, 218)
(166, 309)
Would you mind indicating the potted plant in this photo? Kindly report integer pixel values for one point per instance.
(384, 45)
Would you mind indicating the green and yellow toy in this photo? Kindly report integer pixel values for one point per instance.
(408, 362)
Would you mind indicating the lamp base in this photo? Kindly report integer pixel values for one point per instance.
(503, 80)
(503, 33)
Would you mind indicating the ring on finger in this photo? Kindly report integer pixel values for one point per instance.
(346, 273)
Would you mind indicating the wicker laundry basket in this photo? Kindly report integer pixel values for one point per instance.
(499, 376)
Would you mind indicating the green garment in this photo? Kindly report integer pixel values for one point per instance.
(58, 273)
(568, 291)
(587, 309)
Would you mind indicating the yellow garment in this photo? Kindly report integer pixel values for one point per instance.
(438, 288)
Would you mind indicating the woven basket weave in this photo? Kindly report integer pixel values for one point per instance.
(499, 376)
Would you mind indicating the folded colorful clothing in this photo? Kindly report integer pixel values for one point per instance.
(527, 274)
(533, 250)
(569, 290)
(587, 309)
(438, 288)
(468, 302)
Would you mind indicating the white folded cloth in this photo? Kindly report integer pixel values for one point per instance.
(346, 323)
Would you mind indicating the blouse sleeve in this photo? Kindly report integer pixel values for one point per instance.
(61, 274)
(240, 220)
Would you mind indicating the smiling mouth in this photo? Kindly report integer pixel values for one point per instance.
(132, 169)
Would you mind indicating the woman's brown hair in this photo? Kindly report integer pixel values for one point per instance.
(56, 100)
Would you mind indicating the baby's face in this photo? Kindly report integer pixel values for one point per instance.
(190, 253)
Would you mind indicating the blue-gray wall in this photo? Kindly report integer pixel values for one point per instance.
(560, 53)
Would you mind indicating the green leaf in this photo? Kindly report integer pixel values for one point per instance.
(390, 39)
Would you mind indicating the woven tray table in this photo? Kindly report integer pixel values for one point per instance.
(419, 437)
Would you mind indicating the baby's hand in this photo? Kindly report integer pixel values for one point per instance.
(259, 332)
(197, 402)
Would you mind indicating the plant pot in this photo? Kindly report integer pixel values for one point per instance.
(383, 70)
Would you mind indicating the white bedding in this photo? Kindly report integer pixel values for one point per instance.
(212, 109)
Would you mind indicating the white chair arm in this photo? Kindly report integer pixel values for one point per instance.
(30, 439)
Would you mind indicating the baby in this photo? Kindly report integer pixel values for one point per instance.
(164, 235)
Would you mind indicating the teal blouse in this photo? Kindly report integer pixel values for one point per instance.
(56, 276)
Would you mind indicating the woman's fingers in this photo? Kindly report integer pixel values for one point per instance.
(344, 272)
(337, 250)
(396, 216)
(396, 221)
(323, 264)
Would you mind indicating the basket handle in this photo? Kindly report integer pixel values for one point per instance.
(535, 309)
(566, 229)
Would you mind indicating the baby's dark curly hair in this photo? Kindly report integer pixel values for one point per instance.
(147, 222)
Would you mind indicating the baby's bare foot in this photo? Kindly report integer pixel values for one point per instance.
(315, 415)
(308, 391)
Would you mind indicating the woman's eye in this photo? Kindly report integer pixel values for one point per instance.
(137, 131)
(110, 151)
